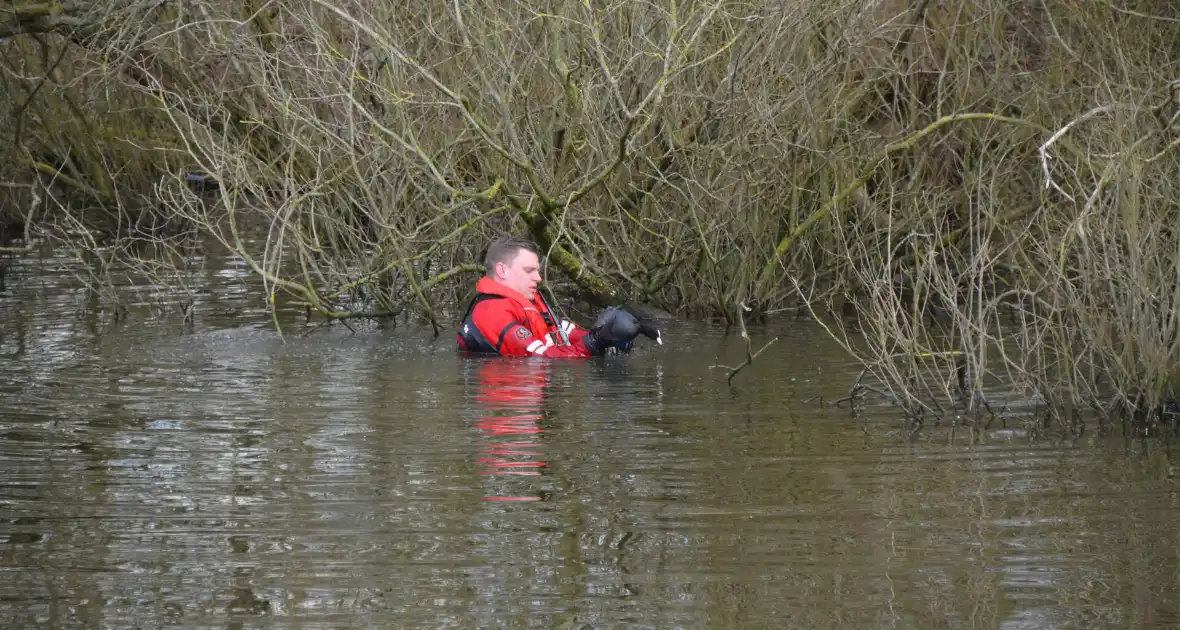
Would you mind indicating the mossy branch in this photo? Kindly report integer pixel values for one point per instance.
(848, 190)
(74, 183)
(29, 18)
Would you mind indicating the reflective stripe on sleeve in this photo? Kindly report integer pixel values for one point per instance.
(537, 347)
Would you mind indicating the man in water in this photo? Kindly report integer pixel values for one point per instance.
(508, 316)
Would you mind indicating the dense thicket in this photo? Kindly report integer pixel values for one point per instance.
(989, 184)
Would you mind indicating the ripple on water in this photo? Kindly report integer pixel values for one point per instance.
(217, 478)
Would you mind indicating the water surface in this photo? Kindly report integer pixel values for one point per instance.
(221, 475)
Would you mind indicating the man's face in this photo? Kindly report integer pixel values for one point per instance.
(522, 275)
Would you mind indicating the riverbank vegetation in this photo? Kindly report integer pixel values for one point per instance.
(956, 190)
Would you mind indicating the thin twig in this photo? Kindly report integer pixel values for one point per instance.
(750, 356)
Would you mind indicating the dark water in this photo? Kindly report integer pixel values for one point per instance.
(227, 477)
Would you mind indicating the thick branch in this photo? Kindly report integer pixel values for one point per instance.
(39, 18)
(904, 144)
(597, 289)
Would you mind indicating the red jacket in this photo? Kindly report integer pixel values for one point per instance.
(502, 321)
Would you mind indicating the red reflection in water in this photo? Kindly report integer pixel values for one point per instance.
(511, 392)
(512, 498)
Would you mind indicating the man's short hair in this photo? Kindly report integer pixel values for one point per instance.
(504, 250)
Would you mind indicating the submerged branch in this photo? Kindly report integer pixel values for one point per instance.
(750, 354)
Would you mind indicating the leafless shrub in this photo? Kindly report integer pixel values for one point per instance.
(989, 185)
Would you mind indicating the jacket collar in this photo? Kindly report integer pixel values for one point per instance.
(489, 285)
